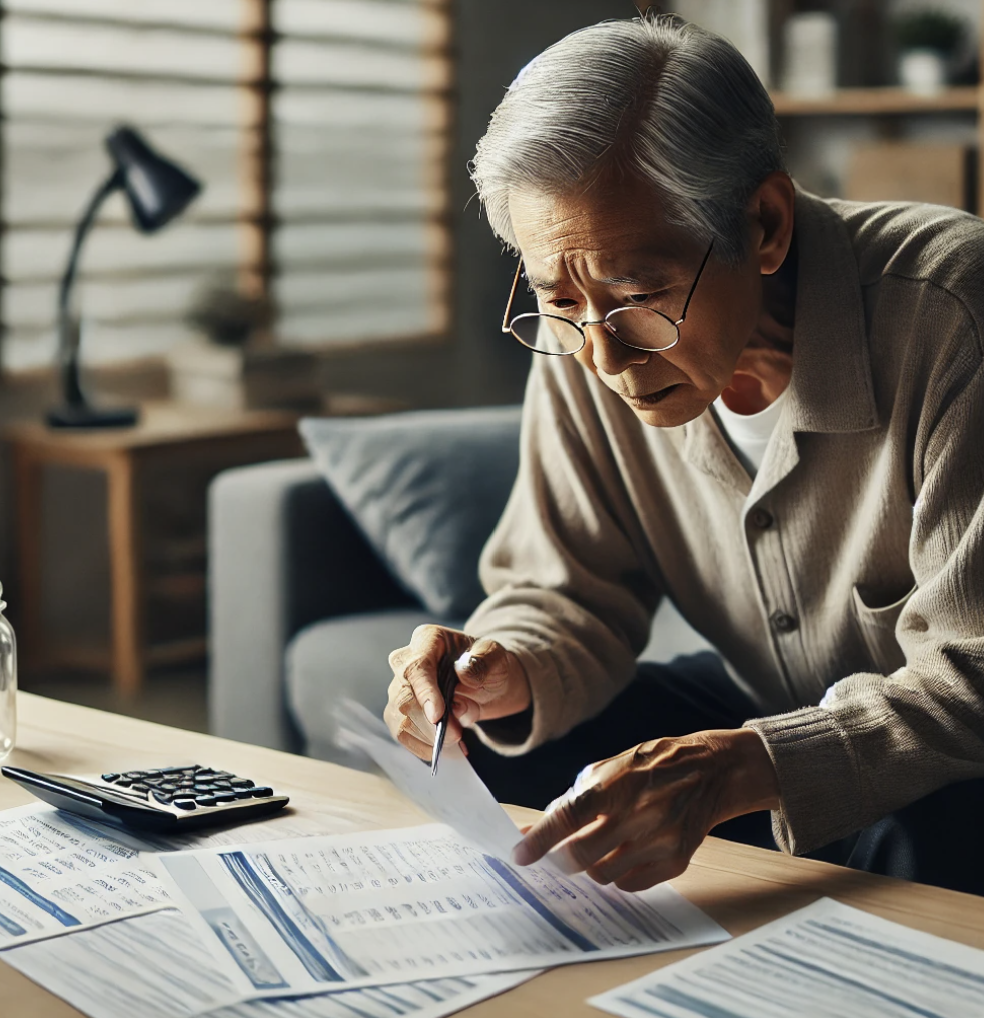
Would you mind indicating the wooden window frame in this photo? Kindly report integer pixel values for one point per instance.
(256, 265)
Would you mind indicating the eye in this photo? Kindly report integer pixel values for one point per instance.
(563, 303)
(640, 298)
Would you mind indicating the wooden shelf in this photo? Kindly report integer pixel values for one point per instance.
(868, 101)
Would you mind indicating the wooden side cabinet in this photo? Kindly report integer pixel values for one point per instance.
(157, 475)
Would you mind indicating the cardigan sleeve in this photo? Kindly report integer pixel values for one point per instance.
(877, 743)
(566, 589)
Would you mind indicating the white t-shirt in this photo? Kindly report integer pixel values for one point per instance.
(750, 433)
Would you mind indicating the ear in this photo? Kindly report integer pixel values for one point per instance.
(771, 211)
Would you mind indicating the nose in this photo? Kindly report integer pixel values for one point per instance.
(610, 356)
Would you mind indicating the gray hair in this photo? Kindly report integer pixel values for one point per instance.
(653, 97)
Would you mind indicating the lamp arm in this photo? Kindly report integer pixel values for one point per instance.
(68, 335)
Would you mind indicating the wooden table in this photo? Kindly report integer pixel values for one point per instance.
(740, 887)
(189, 441)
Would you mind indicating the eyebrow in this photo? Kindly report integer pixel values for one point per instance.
(653, 279)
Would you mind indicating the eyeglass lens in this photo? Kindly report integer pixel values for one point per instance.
(637, 327)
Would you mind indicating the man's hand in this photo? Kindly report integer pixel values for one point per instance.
(636, 819)
(491, 684)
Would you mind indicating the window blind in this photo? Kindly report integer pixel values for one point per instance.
(361, 124)
(318, 128)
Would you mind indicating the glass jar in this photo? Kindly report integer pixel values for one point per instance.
(8, 683)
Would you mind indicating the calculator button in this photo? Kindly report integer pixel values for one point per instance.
(133, 775)
(224, 785)
(206, 800)
(110, 777)
(123, 782)
(262, 792)
(166, 786)
(153, 773)
(243, 793)
(184, 803)
(240, 783)
(139, 786)
(224, 797)
(173, 770)
(164, 797)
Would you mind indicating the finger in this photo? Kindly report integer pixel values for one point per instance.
(570, 814)
(467, 711)
(398, 659)
(593, 843)
(403, 713)
(483, 660)
(421, 671)
(399, 721)
(665, 853)
(416, 746)
(644, 877)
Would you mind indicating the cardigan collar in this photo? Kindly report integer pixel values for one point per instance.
(830, 389)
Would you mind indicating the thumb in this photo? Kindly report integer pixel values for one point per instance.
(480, 661)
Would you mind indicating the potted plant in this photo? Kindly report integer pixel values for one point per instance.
(232, 363)
(226, 316)
(927, 41)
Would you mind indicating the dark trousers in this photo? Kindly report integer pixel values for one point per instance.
(937, 840)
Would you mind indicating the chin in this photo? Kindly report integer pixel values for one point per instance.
(680, 405)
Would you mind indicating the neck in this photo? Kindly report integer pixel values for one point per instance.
(765, 366)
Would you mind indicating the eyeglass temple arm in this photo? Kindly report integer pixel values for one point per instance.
(690, 296)
(512, 298)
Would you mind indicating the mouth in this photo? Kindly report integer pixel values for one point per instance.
(651, 399)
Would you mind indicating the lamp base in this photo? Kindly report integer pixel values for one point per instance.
(85, 416)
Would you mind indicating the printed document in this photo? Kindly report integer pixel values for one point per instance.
(825, 961)
(381, 907)
(60, 872)
(155, 966)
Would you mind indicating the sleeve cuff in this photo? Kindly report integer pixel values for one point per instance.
(819, 780)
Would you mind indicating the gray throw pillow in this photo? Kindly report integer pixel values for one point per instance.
(426, 488)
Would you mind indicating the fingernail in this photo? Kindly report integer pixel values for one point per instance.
(431, 712)
(466, 662)
(521, 854)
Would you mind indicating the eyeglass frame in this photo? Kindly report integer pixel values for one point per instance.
(507, 322)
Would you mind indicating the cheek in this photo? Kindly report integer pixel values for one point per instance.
(714, 335)
(585, 358)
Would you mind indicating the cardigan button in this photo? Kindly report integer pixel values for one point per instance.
(761, 518)
(782, 622)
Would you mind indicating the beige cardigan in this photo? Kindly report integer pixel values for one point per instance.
(845, 585)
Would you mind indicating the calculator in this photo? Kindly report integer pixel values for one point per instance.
(163, 798)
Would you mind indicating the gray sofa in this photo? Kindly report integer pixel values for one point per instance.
(304, 612)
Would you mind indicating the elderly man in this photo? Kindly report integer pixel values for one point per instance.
(766, 407)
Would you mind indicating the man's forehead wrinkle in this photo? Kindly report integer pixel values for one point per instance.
(605, 271)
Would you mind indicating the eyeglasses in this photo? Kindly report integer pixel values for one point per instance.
(640, 328)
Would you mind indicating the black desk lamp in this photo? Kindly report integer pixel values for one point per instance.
(157, 191)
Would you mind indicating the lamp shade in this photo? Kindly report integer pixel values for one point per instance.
(157, 189)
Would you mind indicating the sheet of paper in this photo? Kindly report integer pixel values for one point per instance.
(156, 966)
(825, 961)
(390, 906)
(60, 872)
(455, 796)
